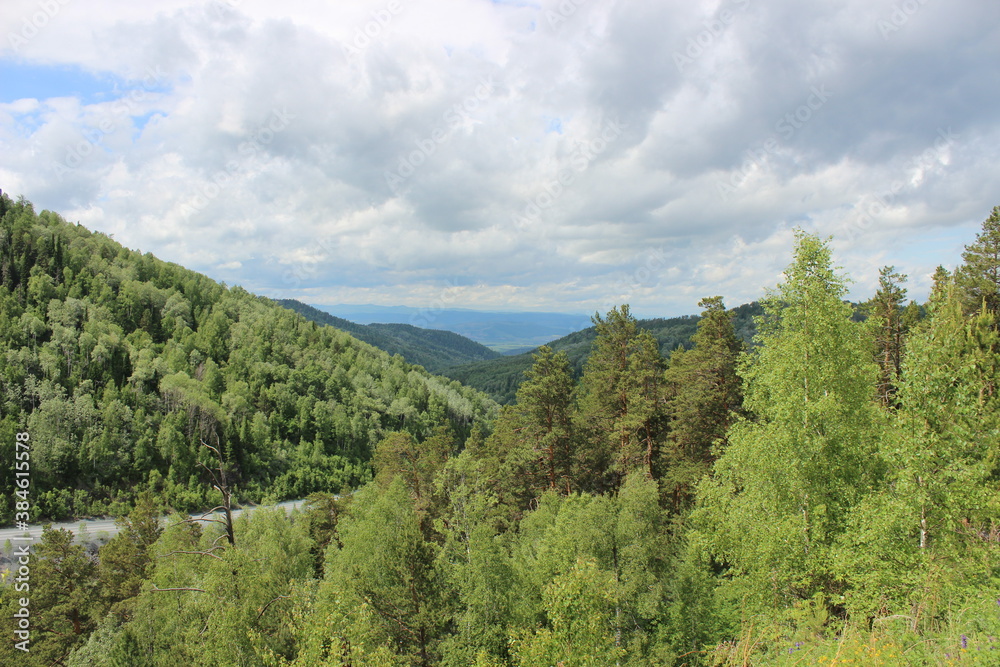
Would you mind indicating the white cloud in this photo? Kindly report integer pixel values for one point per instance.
(391, 151)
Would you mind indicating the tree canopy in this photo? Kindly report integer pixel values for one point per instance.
(826, 494)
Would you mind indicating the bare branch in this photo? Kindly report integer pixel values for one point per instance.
(385, 614)
(264, 608)
(222, 536)
(217, 508)
(165, 590)
(201, 519)
(207, 552)
(212, 448)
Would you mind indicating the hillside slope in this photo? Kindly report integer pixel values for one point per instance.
(119, 366)
(433, 349)
(500, 378)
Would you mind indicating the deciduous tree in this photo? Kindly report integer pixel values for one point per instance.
(781, 491)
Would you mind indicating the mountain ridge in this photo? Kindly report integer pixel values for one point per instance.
(500, 378)
(499, 330)
(434, 349)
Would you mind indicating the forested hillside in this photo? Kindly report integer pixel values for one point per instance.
(828, 495)
(501, 377)
(120, 365)
(433, 349)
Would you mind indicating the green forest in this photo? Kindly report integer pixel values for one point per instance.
(501, 377)
(828, 493)
(120, 365)
(433, 349)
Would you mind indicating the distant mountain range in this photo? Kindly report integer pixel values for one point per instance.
(507, 332)
(471, 363)
(500, 378)
(433, 349)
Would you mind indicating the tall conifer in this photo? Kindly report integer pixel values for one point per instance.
(621, 400)
(704, 398)
(979, 277)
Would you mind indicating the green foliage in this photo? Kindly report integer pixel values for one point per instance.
(124, 563)
(119, 365)
(417, 465)
(388, 569)
(966, 635)
(433, 349)
(500, 378)
(979, 277)
(579, 608)
(829, 496)
(621, 414)
(886, 309)
(544, 403)
(210, 604)
(64, 596)
(533, 445)
(623, 536)
(704, 397)
(322, 513)
(780, 494)
(479, 571)
(699, 612)
(934, 523)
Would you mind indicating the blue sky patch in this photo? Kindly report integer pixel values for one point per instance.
(21, 80)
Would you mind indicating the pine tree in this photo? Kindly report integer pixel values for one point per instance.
(125, 561)
(388, 571)
(64, 595)
(416, 464)
(951, 418)
(704, 398)
(544, 403)
(621, 406)
(979, 276)
(886, 307)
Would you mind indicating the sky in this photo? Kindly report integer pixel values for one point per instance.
(561, 155)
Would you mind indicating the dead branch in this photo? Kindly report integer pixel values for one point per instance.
(264, 608)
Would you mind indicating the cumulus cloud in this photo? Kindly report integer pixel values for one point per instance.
(561, 155)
